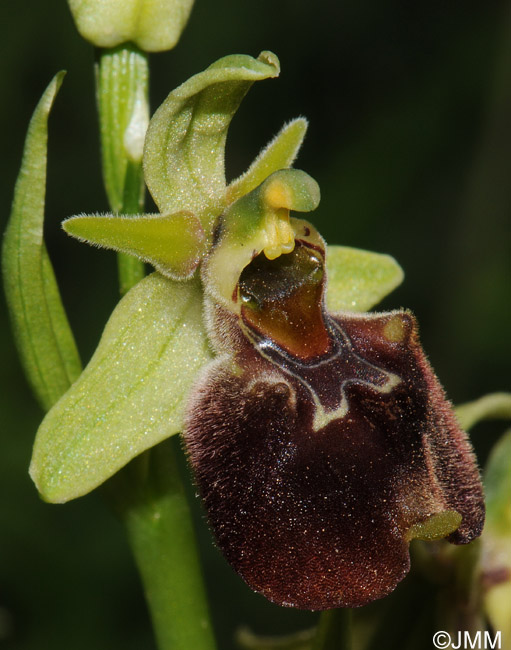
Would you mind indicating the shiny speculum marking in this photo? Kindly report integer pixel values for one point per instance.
(282, 315)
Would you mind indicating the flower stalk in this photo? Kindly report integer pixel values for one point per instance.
(149, 497)
(122, 80)
(148, 494)
(334, 630)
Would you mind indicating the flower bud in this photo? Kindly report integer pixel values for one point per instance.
(152, 25)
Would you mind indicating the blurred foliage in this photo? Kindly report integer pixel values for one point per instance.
(410, 140)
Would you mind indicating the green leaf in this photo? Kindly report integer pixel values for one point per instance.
(174, 244)
(357, 279)
(184, 148)
(132, 393)
(280, 153)
(43, 336)
(493, 406)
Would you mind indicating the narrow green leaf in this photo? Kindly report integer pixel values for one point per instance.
(174, 244)
(493, 406)
(130, 396)
(43, 336)
(357, 279)
(280, 153)
(184, 148)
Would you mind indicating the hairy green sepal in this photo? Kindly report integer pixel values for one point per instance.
(184, 148)
(358, 279)
(173, 244)
(130, 396)
(44, 339)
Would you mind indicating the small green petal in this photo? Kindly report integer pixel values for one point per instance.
(130, 396)
(184, 148)
(280, 153)
(43, 336)
(174, 244)
(357, 279)
(493, 406)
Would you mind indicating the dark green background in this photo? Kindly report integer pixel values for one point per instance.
(410, 140)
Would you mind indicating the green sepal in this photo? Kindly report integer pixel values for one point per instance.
(279, 153)
(174, 244)
(358, 279)
(492, 406)
(132, 393)
(184, 147)
(43, 336)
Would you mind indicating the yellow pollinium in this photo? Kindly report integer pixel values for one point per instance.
(280, 237)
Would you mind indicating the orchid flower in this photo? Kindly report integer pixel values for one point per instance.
(320, 438)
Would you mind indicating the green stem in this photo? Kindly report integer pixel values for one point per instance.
(131, 270)
(148, 493)
(334, 630)
(150, 499)
(122, 80)
(404, 616)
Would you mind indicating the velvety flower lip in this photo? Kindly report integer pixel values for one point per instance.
(322, 444)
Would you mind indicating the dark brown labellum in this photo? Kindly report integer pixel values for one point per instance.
(322, 443)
